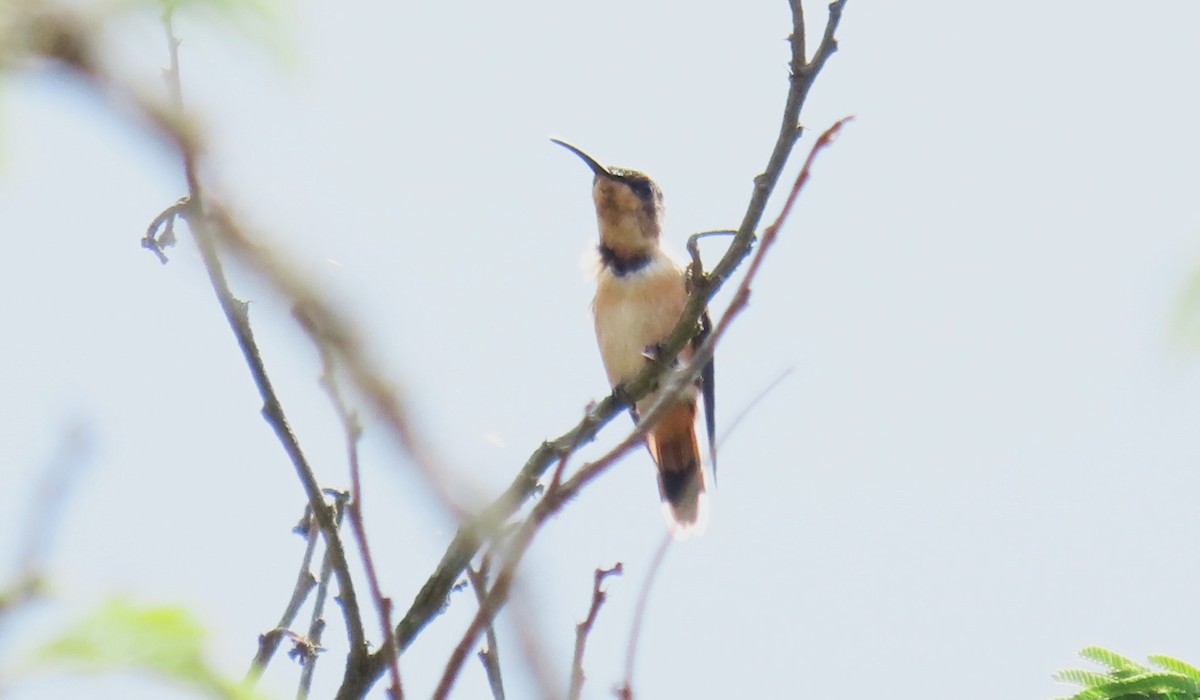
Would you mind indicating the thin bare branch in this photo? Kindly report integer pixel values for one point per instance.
(625, 692)
(353, 433)
(268, 643)
(771, 386)
(235, 313)
(519, 542)
(57, 36)
(583, 629)
(524, 606)
(489, 657)
(46, 505)
(308, 649)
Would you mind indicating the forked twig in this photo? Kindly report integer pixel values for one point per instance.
(583, 629)
(489, 657)
(268, 642)
(307, 649)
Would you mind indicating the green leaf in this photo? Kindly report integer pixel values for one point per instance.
(1111, 659)
(1078, 676)
(1156, 684)
(119, 635)
(232, 10)
(1176, 665)
(265, 23)
(1187, 315)
(164, 639)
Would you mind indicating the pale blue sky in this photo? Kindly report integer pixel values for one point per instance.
(984, 458)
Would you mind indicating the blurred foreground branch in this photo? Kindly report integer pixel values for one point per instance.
(194, 210)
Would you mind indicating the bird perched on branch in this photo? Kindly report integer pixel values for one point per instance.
(640, 295)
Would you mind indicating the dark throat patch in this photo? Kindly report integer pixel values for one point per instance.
(622, 265)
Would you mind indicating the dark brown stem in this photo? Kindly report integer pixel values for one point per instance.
(583, 629)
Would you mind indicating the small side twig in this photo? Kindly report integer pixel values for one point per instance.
(489, 657)
(771, 386)
(696, 268)
(625, 692)
(308, 649)
(45, 510)
(561, 469)
(583, 629)
(155, 241)
(268, 643)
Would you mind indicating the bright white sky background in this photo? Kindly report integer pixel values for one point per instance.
(985, 456)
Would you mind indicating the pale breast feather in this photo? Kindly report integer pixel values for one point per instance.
(634, 312)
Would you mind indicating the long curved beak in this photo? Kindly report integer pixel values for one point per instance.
(596, 167)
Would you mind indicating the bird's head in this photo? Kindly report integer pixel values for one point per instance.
(629, 207)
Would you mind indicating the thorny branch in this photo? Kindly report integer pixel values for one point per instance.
(583, 629)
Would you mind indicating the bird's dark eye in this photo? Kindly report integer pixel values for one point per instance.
(642, 188)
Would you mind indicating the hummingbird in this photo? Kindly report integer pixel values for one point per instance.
(640, 295)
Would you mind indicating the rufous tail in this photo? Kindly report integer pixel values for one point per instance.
(676, 451)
